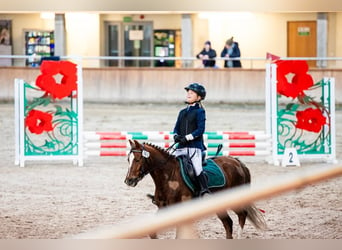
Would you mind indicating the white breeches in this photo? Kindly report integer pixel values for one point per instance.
(196, 157)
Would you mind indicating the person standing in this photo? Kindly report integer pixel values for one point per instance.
(207, 55)
(189, 130)
(231, 50)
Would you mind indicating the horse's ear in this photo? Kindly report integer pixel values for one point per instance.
(132, 143)
(137, 144)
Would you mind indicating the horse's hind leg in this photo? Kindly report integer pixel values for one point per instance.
(242, 220)
(227, 223)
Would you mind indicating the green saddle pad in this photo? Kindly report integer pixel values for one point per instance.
(215, 175)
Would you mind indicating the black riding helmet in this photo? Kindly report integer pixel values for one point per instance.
(198, 88)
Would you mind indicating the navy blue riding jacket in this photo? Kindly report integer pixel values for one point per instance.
(191, 120)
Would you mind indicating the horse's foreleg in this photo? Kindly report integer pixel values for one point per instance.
(227, 223)
(186, 231)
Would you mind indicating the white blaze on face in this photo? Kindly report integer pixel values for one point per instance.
(131, 158)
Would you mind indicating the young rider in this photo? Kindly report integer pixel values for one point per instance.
(189, 129)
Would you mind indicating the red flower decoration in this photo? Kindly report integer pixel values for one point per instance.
(38, 121)
(300, 81)
(310, 119)
(47, 82)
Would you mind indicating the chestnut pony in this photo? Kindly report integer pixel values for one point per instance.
(170, 188)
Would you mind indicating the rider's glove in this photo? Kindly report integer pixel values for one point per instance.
(180, 139)
(183, 140)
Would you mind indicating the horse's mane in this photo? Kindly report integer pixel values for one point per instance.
(160, 149)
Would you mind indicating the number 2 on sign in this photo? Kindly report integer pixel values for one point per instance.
(290, 157)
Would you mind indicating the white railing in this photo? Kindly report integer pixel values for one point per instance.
(185, 62)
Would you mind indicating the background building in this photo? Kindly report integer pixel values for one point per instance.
(105, 32)
(106, 28)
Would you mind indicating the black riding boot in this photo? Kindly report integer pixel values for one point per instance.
(203, 182)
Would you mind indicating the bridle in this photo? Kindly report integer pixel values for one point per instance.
(145, 155)
(142, 170)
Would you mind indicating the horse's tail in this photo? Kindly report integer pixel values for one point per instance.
(255, 216)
